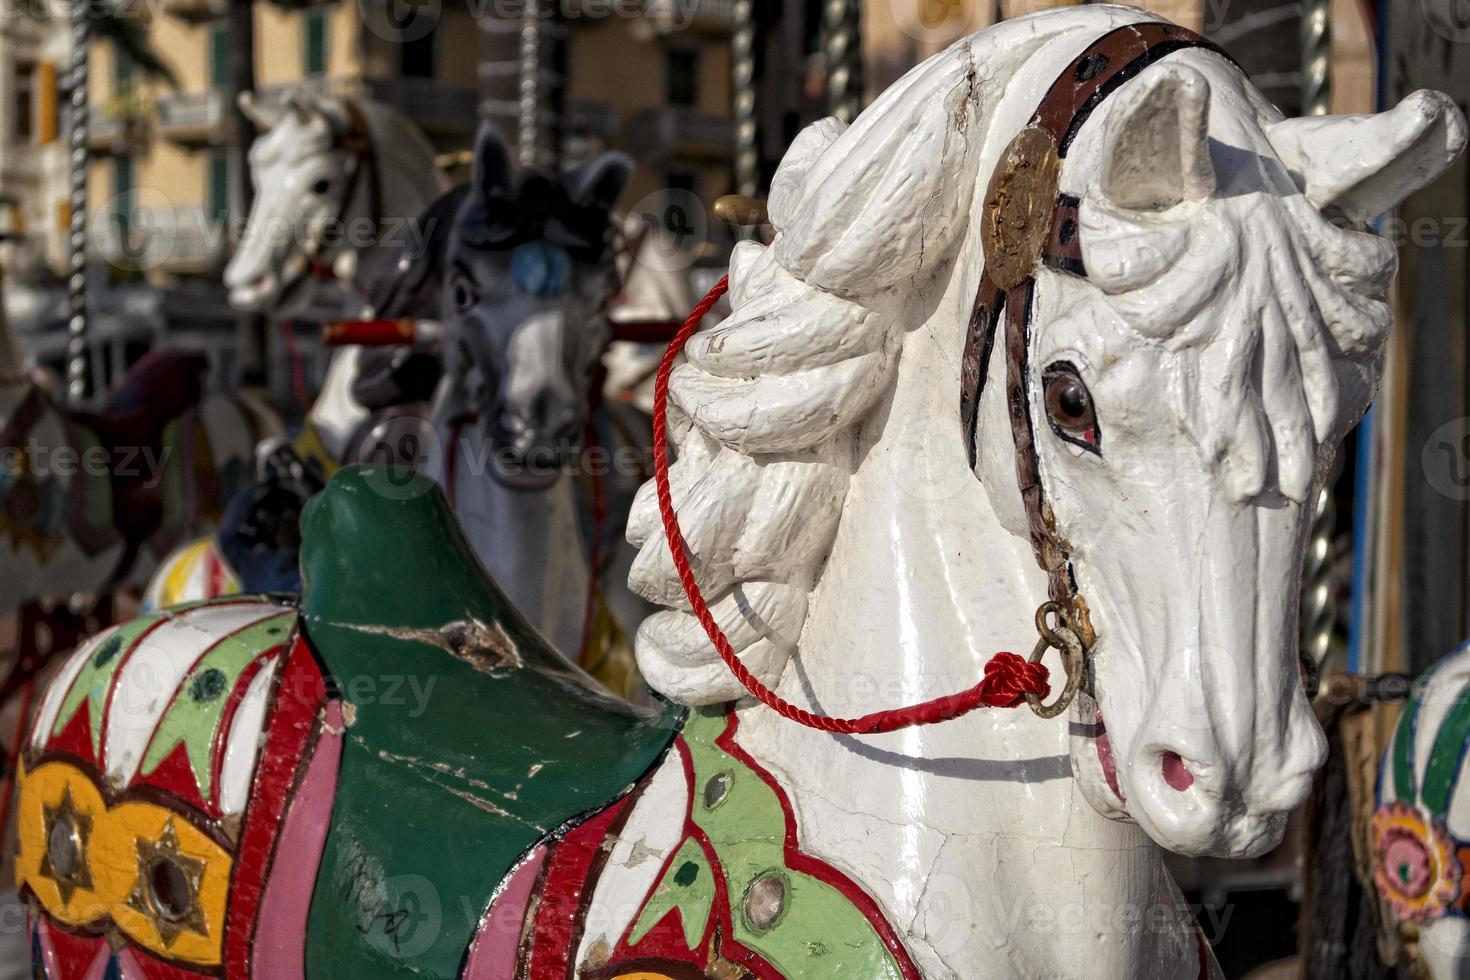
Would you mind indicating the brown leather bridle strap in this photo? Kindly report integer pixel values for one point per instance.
(1027, 222)
(357, 142)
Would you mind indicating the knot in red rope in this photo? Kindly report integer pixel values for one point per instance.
(1008, 677)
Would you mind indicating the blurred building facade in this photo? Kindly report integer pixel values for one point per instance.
(650, 77)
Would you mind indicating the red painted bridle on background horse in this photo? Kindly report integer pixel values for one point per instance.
(1027, 222)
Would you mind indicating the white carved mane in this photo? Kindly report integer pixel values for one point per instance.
(766, 406)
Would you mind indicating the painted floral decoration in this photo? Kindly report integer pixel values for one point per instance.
(1415, 864)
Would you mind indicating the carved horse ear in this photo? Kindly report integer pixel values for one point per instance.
(300, 104)
(490, 173)
(262, 115)
(1364, 165)
(1157, 141)
(599, 181)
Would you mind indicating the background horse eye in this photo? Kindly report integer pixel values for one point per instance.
(464, 296)
(321, 185)
(1069, 406)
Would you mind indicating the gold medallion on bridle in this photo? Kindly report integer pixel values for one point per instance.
(1019, 206)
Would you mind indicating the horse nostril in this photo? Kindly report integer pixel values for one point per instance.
(1176, 773)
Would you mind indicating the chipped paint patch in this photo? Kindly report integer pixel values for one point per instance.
(484, 646)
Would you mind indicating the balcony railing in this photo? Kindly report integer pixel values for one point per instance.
(680, 130)
(193, 118)
(111, 133)
(172, 239)
(589, 118)
(431, 104)
(678, 15)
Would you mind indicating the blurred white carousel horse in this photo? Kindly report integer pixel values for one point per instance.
(340, 184)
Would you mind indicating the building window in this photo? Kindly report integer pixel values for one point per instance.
(219, 187)
(122, 191)
(122, 69)
(416, 57)
(48, 105)
(315, 42)
(24, 111)
(682, 76)
(219, 56)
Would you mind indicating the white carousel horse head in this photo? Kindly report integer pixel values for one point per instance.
(329, 173)
(1185, 396)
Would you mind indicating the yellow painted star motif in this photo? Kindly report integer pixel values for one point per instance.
(167, 890)
(64, 858)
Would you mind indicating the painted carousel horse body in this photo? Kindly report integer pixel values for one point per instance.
(1186, 339)
(338, 184)
(91, 499)
(1421, 827)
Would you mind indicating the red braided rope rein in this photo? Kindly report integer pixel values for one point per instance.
(1008, 676)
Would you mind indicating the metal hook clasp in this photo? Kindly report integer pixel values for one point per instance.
(1059, 637)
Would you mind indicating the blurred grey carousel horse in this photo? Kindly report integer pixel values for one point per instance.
(526, 275)
(339, 182)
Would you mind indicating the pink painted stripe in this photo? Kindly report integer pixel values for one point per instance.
(280, 934)
(48, 951)
(496, 947)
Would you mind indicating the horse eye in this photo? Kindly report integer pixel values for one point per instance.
(321, 185)
(464, 296)
(1069, 406)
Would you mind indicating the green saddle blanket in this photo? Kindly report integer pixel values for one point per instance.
(468, 739)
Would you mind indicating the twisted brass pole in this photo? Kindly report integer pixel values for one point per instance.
(842, 30)
(1319, 599)
(528, 135)
(76, 282)
(1316, 57)
(747, 150)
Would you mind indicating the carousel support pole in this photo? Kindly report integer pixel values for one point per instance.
(747, 132)
(252, 328)
(1319, 599)
(529, 97)
(76, 283)
(842, 38)
(541, 93)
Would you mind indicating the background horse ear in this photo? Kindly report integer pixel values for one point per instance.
(302, 106)
(1364, 165)
(490, 173)
(1157, 141)
(262, 115)
(599, 181)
